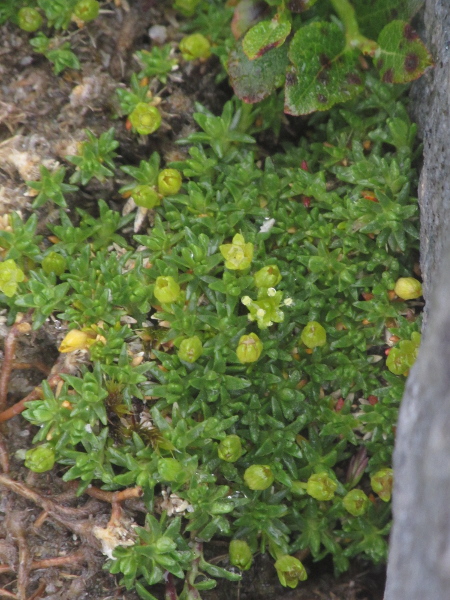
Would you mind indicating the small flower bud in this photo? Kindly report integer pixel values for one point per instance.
(238, 255)
(321, 487)
(246, 300)
(145, 196)
(195, 46)
(408, 288)
(290, 571)
(268, 277)
(29, 19)
(356, 502)
(86, 10)
(382, 483)
(145, 118)
(40, 459)
(258, 477)
(230, 448)
(166, 289)
(169, 469)
(240, 555)
(54, 263)
(313, 335)
(190, 349)
(249, 348)
(169, 182)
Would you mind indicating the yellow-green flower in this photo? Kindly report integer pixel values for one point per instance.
(10, 277)
(239, 254)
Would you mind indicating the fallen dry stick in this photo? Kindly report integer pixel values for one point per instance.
(22, 326)
(48, 563)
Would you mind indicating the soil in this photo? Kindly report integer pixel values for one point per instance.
(46, 545)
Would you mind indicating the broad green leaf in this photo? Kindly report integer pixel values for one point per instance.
(323, 71)
(254, 80)
(373, 16)
(265, 36)
(402, 56)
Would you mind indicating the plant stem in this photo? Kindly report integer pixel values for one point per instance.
(355, 39)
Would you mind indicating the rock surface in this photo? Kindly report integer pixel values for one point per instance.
(419, 561)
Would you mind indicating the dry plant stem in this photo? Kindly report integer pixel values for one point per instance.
(16, 527)
(48, 563)
(114, 497)
(9, 353)
(34, 365)
(64, 515)
(171, 592)
(20, 406)
(21, 326)
(38, 593)
(4, 459)
(5, 594)
(24, 565)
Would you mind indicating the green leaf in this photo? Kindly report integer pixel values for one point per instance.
(143, 593)
(402, 56)
(265, 36)
(373, 16)
(323, 71)
(254, 80)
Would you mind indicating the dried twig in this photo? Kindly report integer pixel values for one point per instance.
(114, 497)
(20, 406)
(48, 563)
(5, 594)
(22, 326)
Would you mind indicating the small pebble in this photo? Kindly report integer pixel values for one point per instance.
(158, 34)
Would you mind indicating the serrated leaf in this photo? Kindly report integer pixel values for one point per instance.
(323, 71)
(402, 56)
(265, 36)
(254, 80)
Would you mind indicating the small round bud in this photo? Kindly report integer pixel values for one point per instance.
(169, 182)
(86, 10)
(382, 483)
(408, 288)
(356, 502)
(258, 477)
(145, 118)
(240, 555)
(169, 469)
(313, 335)
(195, 46)
(230, 448)
(249, 348)
(40, 459)
(246, 300)
(54, 263)
(29, 19)
(145, 196)
(269, 276)
(190, 349)
(321, 487)
(290, 571)
(166, 289)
